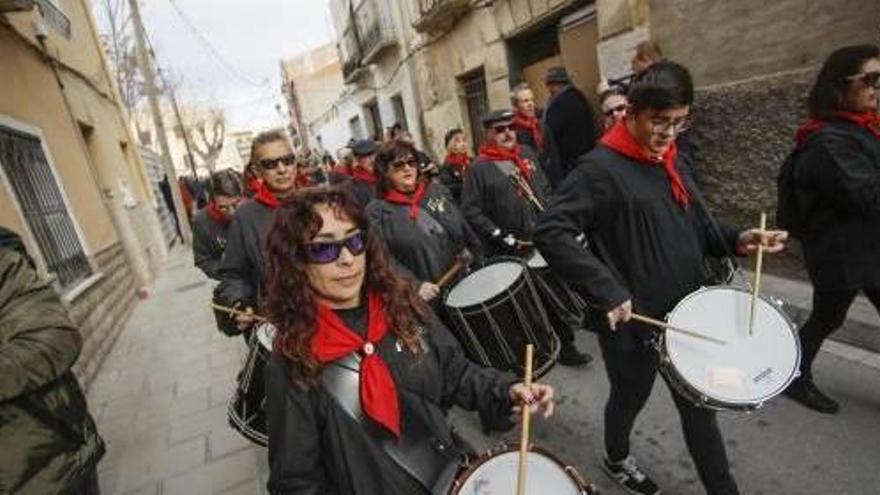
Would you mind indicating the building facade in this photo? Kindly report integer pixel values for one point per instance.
(71, 179)
(311, 83)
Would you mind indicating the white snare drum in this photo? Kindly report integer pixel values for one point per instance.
(496, 474)
(744, 373)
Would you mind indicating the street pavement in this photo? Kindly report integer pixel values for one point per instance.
(160, 401)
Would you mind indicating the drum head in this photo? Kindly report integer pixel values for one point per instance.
(484, 284)
(498, 476)
(536, 260)
(748, 369)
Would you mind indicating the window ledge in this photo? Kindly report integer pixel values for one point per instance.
(70, 296)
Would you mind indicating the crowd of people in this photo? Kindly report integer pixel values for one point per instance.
(337, 272)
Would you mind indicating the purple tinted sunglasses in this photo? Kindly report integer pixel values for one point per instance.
(324, 252)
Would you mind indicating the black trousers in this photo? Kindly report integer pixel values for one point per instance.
(829, 313)
(631, 373)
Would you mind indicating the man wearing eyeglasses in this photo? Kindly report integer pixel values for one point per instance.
(502, 195)
(211, 223)
(649, 237)
(240, 271)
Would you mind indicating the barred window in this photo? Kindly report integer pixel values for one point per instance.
(29, 173)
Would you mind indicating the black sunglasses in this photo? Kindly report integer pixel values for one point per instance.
(870, 79)
(321, 253)
(409, 162)
(272, 163)
(503, 127)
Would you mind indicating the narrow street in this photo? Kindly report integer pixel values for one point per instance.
(160, 400)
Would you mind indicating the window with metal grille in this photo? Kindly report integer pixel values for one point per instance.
(476, 100)
(29, 173)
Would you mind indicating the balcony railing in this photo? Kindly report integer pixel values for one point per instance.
(54, 17)
(375, 31)
(435, 15)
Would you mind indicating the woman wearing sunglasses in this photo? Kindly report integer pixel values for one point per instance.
(836, 190)
(362, 373)
(422, 227)
(274, 164)
(614, 105)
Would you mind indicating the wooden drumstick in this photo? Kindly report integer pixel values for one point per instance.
(667, 326)
(236, 312)
(759, 261)
(526, 422)
(461, 261)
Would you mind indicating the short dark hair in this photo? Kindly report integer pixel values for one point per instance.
(661, 86)
(389, 153)
(225, 183)
(451, 133)
(826, 96)
(266, 137)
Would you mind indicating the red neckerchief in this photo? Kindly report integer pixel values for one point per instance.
(334, 340)
(397, 197)
(265, 197)
(495, 153)
(363, 175)
(531, 125)
(620, 140)
(458, 161)
(342, 170)
(302, 178)
(867, 120)
(217, 214)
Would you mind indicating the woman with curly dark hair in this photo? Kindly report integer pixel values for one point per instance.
(423, 229)
(362, 372)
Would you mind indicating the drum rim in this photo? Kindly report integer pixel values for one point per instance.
(705, 398)
(492, 300)
(580, 482)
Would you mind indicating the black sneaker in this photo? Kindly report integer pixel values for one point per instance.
(569, 355)
(630, 477)
(805, 392)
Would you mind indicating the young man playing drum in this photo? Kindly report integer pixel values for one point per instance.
(635, 198)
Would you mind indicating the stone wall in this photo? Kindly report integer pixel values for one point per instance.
(102, 310)
(744, 132)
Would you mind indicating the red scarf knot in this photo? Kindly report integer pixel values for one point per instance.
(266, 197)
(217, 214)
(619, 139)
(458, 161)
(495, 153)
(363, 175)
(867, 120)
(334, 340)
(413, 200)
(530, 124)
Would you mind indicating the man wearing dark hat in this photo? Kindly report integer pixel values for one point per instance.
(570, 128)
(361, 184)
(502, 195)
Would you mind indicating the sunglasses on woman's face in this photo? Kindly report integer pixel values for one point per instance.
(321, 253)
(272, 163)
(870, 79)
(611, 111)
(409, 162)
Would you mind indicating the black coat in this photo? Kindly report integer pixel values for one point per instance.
(317, 448)
(452, 179)
(837, 180)
(428, 246)
(241, 267)
(570, 130)
(209, 241)
(643, 245)
(490, 201)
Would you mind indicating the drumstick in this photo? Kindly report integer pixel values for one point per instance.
(759, 261)
(667, 326)
(235, 312)
(526, 421)
(451, 272)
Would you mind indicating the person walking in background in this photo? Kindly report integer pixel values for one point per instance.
(361, 181)
(613, 103)
(834, 186)
(570, 126)
(48, 440)
(647, 54)
(525, 118)
(456, 163)
(211, 223)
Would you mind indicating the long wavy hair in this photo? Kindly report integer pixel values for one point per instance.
(290, 300)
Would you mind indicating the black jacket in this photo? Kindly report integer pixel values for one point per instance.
(490, 201)
(209, 241)
(644, 245)
(362, 192)
(428, 246)
(570, 130)
(837, 180)
(317, 448)
(452, 179)
(241, 268)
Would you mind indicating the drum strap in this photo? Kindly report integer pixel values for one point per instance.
(419, 453)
